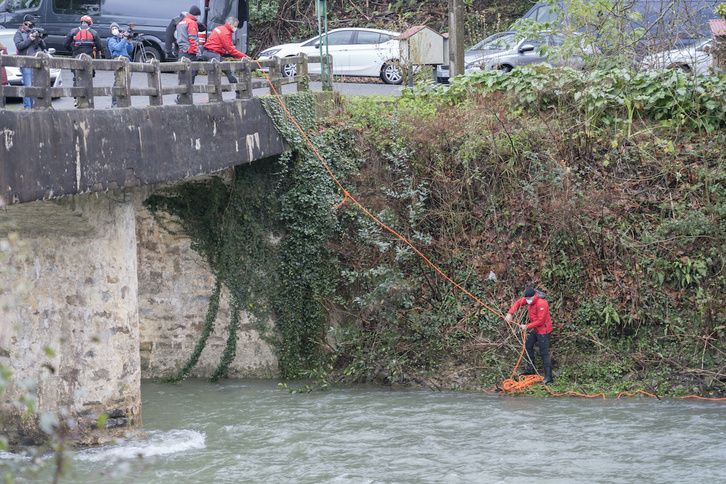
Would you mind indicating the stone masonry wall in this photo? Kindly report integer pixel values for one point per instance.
(78, 298)
(175, 285)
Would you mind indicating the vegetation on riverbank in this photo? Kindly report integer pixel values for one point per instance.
(605, 189)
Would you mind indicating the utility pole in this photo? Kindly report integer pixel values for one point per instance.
(456, 37)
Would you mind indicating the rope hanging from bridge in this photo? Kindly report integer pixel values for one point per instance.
(510, 385)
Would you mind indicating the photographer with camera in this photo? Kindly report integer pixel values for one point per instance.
(28, 41)
(119, 45)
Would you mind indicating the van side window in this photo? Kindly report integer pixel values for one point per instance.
(546, 14)
(77, 7)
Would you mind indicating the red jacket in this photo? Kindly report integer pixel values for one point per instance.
(220, 42)
(539, 314)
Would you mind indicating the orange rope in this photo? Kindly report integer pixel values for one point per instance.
(509, 385)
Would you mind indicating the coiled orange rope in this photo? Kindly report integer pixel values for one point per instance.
(509, 385)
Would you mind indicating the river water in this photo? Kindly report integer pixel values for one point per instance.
(253, 432)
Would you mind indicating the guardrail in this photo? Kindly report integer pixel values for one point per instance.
(85, 90)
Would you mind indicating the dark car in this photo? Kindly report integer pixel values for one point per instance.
(151, 17)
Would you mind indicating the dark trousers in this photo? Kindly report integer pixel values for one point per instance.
(191, 57)
(208, 55)
(543, 341)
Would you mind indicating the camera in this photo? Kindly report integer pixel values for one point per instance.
(131, 35)
(40, 32)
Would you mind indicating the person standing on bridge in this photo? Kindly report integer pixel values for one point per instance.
(28, 42)
(220, 43)
(187, 36)
(84, 40)
(119, 45)
(541, 326)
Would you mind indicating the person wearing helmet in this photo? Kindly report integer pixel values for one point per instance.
(84, 40)
(28, 42)
(541, 326)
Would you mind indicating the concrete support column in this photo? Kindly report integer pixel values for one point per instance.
(74, 329)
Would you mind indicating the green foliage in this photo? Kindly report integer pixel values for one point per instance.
(265, 238)
(604, 98)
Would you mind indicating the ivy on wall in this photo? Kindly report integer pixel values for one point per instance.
(264, 236)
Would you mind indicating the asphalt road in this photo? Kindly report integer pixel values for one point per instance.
(363, 87)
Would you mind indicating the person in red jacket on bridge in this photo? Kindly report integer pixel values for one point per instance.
(541, 326)
(219, 43)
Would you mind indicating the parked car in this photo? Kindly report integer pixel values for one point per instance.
(691, 56)
(15, 78)
(502, 51)
(658, 20)
(356, 52)
(58, 17)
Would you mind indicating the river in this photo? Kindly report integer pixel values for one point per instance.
(253, 432)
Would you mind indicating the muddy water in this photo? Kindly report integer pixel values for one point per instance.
(251, 431)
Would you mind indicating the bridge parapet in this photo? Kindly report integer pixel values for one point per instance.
(85, 91)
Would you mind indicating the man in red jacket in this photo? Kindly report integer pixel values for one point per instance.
(541, 326)
(220, 43)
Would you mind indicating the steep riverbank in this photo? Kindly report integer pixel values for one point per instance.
(505, 181)
(605, 189)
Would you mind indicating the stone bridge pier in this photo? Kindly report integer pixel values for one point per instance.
(70, 333)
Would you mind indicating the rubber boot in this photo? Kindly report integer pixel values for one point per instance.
(548, 375)
(528, 371)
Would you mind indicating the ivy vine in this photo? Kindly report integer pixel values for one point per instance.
(265, 237)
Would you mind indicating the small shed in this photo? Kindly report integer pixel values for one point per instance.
(421, 45)
(718, 29)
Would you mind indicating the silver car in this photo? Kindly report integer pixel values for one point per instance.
(502, 51)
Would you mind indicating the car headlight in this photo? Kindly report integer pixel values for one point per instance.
(269, 52)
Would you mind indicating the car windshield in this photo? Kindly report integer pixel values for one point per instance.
(501, 41)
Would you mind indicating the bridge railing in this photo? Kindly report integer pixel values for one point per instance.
(158, 86)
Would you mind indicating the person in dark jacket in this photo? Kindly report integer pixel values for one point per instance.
(119, 45)
(541, 326)
(219, 43)
(28, 42)
(171, 47)
(187, 36)
(84, 40)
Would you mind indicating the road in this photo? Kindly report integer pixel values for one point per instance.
(104, 78)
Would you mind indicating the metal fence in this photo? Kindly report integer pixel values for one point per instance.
(85, 91)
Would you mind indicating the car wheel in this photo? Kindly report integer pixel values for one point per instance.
(391, 73)
(289, 70)
(684, 67)
(442, 80)
(505, 68)
(151, 53)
